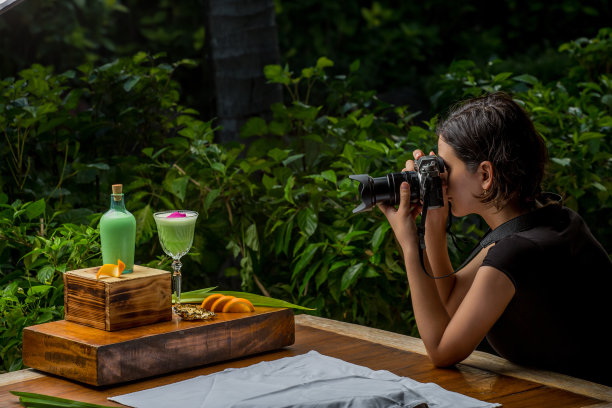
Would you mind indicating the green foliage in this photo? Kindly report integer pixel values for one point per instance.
(402, 44)
(35, 251)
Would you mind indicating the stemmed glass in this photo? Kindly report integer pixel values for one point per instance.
(175, 230)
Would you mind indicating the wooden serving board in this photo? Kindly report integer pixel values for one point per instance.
(99, 357)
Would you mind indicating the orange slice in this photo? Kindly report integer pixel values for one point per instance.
(111, 270)
(238, 305)
(217, 306)
(209, 300)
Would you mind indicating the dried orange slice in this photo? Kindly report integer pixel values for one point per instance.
(217, 306)
(111, 269)
(209, 300)
(238, 305)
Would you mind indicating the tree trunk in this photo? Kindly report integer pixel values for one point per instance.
(241, 38)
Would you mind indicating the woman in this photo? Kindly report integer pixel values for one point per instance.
(540, 296)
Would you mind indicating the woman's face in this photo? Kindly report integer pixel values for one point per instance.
(461, 185)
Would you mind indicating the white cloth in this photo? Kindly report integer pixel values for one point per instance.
(306, 381)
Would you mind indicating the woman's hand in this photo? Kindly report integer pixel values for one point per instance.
(437, 217)
(402, 219)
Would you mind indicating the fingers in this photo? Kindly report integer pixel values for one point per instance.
(418, 153)
(386, 209)
(409, 165)
(404, 204)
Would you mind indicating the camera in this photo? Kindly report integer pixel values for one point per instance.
(425, 185)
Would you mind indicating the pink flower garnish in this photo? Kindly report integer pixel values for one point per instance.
(177, 214)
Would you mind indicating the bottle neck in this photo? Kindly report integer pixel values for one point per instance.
(117, 202)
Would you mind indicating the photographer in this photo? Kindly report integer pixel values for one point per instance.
(540, 295)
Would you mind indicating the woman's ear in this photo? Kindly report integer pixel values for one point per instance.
(485, 169)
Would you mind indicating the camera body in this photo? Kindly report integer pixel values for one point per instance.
(425, 185)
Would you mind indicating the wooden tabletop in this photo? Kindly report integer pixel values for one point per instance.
(481, 376)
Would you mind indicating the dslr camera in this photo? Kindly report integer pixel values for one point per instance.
(425, 185)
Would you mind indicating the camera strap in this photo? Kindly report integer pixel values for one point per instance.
(518, 224)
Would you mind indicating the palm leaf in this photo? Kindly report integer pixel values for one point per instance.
(197, 296)
(30, 399)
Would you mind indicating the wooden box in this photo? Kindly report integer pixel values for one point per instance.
(99, 357)
(134, 299)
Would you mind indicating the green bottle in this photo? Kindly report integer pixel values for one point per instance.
(118, 232)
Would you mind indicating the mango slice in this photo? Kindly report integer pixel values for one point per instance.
(111, 270)
(238, 305)
(217, 306)
(209, 300)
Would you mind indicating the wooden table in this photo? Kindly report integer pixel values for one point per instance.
(481, 376)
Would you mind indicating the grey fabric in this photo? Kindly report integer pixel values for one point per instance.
(306, 381)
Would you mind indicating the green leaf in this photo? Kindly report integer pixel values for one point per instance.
(350, 276)
(30, 399)
(589, 136)
(39, 290)
(308, 72)
(144, 223)
(220, 167)
(304, 259)
(210, 198)
(502, 76)
(366, 121)
(324, 62)
(254, 127)
(529, 79)
(250, 239)
(268, 182)
(329, 175)
(197, 296)
(307, 221)
(130, 83)
(292, 158)
(379, 235)
(178, 187)
(278, 154)
(98, 166)
(45, 274)
(35, 209)
(562, 162)
(288, 188)
(277, 74)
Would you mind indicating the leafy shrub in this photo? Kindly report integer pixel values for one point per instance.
(34, 254)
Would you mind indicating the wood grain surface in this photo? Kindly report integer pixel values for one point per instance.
(135, 299)
(99, 357)
(466, 379)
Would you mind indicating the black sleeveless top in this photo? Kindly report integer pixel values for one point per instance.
(560, 315)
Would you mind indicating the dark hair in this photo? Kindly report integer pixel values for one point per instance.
(494, 127)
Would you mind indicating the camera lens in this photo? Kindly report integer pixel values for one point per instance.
(385, 189)
(396, 180)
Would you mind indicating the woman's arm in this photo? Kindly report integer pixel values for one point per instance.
(447, 338)
(453, 288)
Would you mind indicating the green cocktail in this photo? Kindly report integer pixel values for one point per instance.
(175, 230)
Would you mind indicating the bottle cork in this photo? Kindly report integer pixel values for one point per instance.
(117, 191)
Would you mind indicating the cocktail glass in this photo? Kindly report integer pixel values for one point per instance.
(175, 230)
